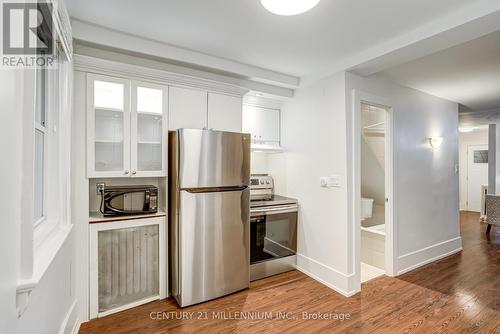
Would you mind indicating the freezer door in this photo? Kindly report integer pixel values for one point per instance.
(214, 247)
(213, 158)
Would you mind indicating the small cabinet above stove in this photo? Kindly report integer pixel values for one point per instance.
(264, 126)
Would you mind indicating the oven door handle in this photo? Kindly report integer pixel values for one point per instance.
(274, 211)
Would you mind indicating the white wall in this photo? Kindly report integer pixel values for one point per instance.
(465, 139)
(318, 141)
(52, 298)
(10, 132)
(273, 164)
(259, 163)
(314, 139)
(426, 184)
(494, 159)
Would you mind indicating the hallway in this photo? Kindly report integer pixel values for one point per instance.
(459, 294)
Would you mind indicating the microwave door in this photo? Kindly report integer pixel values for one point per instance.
(211, 159)
(126, 202)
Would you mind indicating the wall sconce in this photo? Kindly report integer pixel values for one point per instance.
(435, 142)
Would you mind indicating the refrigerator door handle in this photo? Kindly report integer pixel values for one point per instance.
(214, 189)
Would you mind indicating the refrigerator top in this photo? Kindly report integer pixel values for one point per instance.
(212, 159)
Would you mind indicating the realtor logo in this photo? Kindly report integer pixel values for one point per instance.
(27, 34)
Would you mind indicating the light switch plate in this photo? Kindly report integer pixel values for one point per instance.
(332, 181)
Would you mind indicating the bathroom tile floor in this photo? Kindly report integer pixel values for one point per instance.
(370, 272)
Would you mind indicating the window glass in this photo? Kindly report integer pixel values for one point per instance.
(39, 172)
(108, 95)
(481, 157)
(149, 100)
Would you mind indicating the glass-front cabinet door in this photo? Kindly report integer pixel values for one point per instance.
(108, 126)
(149, 129)
(126, 128)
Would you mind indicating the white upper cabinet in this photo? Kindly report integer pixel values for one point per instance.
(149, 129)
(187, 108)
(108, 126)
(264, 126)
(224, 112)
(126, 127)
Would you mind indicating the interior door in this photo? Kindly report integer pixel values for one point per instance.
(214, 244)
(477, 175)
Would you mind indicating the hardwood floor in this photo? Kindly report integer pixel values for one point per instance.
(459, 294)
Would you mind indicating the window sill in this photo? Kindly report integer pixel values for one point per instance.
(48, 241)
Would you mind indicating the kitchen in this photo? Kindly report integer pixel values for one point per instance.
(134, 169)
(198, 167)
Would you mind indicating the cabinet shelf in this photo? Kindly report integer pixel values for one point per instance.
(149, 113)
(108, 141)
(97, 217)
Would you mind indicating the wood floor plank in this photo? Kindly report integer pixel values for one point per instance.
(458, 294)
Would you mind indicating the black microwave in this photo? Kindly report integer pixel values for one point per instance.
(129, 200)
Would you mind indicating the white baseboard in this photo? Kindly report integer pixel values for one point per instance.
(324, 274)
(413, 260)
(71, 322)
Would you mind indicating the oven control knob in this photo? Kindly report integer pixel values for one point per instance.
(261, 182)
(267, 182)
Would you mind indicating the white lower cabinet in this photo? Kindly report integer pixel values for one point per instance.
(127, 264)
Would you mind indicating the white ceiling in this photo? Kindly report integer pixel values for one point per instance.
(242, 30)
(468, 73)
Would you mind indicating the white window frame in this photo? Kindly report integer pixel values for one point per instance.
(44, 128)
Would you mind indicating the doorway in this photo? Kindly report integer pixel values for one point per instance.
(373, 195)
(477, 175)
(373, 182)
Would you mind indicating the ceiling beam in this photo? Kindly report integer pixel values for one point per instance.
(96, 34)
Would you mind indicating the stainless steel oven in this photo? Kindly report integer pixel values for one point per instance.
(273, 230)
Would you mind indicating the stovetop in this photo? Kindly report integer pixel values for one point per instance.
(273, 200)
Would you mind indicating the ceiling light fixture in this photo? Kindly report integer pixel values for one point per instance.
(435, 142)
(289, 7)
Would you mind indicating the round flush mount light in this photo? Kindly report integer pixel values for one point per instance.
(289, 7)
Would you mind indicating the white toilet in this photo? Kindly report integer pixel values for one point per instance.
(366, 208)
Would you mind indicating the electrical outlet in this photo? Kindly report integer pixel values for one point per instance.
(100, 187)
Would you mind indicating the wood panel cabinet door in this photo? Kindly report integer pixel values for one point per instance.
(187, 108)
(224, 112)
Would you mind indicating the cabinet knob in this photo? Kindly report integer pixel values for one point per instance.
(134, 172)
(126, 172)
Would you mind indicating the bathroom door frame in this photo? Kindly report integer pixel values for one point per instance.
(358, 98)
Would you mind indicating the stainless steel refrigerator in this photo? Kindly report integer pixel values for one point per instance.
(209, 175)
